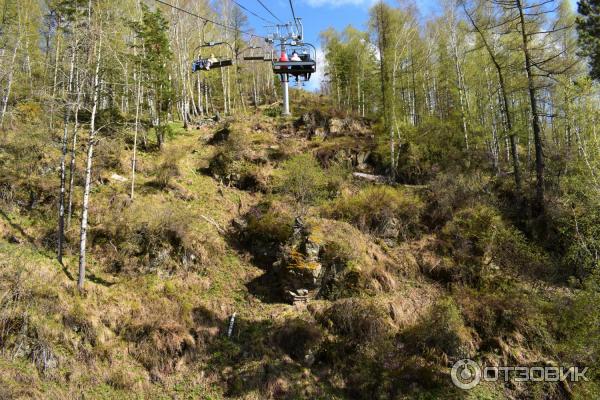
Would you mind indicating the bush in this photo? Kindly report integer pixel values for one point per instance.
(379, 210)
(168, 169)
(449, 192)
(302, 178)
(505, 312)
(108, 155)
(30, 111)
(357, 320)
(149, 238)
(242, 159)
(578, 322)
(477, 242)
(267, 226)
(441, 332)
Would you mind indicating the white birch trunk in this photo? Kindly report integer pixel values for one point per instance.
(88, 174)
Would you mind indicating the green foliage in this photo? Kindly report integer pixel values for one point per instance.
(508, 313)
(149, 238)
(168, 169)
(588, 26)
(242, 158)
(441, 331)
(298, 337)
(374, 208)
(155, 60)
(578, 323)
(576, 220)
(30, 111)
(303, 179)
(479, 242)
(358, 321)
(269, 224)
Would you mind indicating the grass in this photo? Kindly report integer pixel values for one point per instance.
(160, 333)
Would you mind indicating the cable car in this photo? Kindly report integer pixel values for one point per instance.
(302, 67)
(206, 64)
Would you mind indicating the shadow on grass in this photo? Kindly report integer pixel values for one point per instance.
(18, 228)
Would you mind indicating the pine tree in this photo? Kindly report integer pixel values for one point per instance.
(588, 27)
(155, 60)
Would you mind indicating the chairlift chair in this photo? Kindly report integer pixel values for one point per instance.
(299, 69)
(206, 64)
(254, 55)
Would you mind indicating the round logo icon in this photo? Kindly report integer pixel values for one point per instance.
(465, 374)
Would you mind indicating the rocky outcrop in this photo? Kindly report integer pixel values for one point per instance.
(299, 267)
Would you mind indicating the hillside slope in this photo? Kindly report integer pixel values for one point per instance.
(342, 286)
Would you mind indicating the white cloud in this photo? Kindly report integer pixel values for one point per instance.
(314, 84)
(338, 3)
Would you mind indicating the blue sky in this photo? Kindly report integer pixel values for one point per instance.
(318, 15)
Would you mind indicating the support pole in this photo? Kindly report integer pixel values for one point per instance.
(286, 94)
(285, 82)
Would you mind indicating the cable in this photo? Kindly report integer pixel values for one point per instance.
(293, 12)
(269, 11)
(253, 13)
(209, 20)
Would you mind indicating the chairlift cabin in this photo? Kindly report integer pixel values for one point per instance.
(257, 53)
(302, 66)
(212, 62)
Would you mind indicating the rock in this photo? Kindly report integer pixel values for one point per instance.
(390, 229)
(240, 224)
(14, 239)
(309, 359)
(320, 132)
(117, 178)
(361, 160)
(370, 177)
(336, 126)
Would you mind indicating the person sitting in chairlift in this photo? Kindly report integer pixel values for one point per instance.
(295, 57)
(210, 62)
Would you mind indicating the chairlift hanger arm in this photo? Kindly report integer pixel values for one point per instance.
(213, 44)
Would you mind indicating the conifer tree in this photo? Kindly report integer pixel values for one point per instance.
(588, 27)
(155, 59)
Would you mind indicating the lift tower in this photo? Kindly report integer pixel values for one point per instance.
(283, 35)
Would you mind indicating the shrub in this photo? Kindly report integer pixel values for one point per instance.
(505, 312)
(30, 111)
(578, 325)
(150, 237)
(449, 192)
(478, 242)
(269, 222)
(380, 210)
(357, 320)
(159, 344)
(442, 331)
(267, 226)
(108, 155)
(168, 169)
(302, 178)
(242, 159)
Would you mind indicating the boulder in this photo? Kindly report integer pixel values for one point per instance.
(336, 127)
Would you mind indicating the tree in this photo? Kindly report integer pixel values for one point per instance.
(152, 32)
(381, 23)
(88, 170)
(508, 118)
(588, 27)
